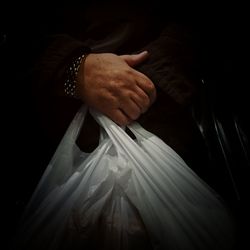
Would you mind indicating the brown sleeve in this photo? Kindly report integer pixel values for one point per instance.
(48, 73)
(172, 64)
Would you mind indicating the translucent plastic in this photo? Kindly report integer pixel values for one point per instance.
(127, 194)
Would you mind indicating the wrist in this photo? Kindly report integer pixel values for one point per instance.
(70, 84)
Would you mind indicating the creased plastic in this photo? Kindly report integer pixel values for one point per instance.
(127, 194)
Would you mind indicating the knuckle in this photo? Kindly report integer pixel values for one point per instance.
(117, 120)
(146, 101)
(120, 120)
(123, 121)
(128, 71)
(135, 114)
(151, 87)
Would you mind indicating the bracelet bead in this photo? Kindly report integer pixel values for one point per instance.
(71, 76)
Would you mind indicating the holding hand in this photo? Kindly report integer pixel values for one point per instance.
(110, 84)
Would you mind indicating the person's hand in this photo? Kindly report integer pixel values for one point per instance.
(110, 84)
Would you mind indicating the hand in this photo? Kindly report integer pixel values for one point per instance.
(108, 83)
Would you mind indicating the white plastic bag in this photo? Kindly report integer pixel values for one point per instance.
(127, 194)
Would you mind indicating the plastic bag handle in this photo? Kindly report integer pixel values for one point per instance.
(75, 126)
(112, 129)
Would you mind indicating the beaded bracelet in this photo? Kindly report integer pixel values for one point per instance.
(71, 76)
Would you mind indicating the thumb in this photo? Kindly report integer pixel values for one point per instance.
(134, 60)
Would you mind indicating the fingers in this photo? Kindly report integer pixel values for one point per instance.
(134, 103)
(137, 98)
(142, 80)
(134, 60)
(141, 99)
(147, 86)
(119, 117)
(126, 108)
(130, 109)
